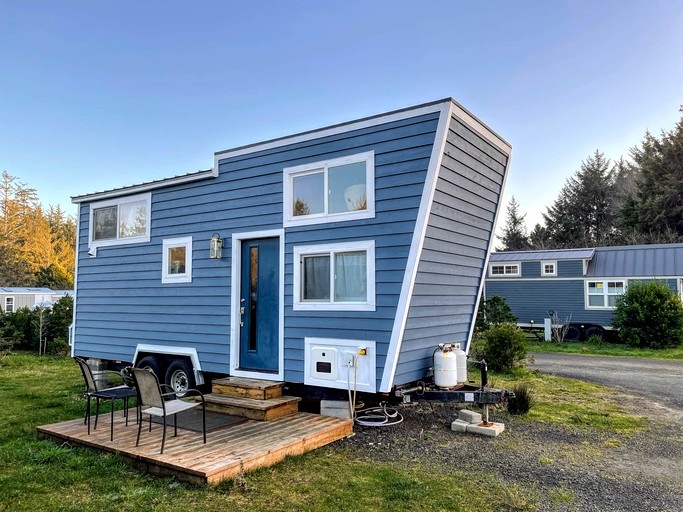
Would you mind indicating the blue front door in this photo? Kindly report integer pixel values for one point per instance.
(259, 305)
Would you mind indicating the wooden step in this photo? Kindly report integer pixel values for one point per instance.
(262, 410)
(258, 389)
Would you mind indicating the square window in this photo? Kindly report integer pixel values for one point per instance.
(177, 260)
(330, 191)
(337, 277)
(548, 268)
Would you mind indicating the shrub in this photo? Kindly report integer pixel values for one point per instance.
(650, 315)
(504, 347)
(493, 312)
(523, 400)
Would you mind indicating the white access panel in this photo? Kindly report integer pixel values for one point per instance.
(330, 362)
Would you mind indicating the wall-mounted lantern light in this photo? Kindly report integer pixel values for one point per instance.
(216, 248)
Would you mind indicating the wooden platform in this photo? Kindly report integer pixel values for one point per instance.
(227, 452)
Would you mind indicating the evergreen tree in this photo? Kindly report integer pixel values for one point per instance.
(539, 238)
(582, 215)
(656, 206)
(515, 236)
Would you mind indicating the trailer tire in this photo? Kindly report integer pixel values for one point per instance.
(180, 376)
(573, 333)
(151, 363)
(595, 330)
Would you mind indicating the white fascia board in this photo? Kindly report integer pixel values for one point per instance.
(477, 125)
(446, 111)
(333, 130)
(145, 187)
(72, 338)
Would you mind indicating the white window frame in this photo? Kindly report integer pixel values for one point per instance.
(7, 303)
(171, 243)
(605, 293)
(323, 166)
(505, 264)
(118, 202)
(549, 274)
(331, 249)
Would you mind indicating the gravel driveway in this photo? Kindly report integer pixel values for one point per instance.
(658, 380)
(600, 471)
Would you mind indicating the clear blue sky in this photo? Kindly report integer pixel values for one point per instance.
(96, 94)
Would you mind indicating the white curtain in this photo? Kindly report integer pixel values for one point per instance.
(316, 278)
(351, 279)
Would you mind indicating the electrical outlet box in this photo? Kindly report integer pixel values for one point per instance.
(347, 358)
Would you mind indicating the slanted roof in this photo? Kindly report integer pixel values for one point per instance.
(14, 289)
(659, 260)
(549, 254)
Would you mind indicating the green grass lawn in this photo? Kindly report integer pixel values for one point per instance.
(44, 475)
(603, 349)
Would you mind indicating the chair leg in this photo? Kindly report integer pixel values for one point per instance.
(163, 437)
(87, 414)
(111, 432)
(137, 443)
(150, 422)
(204, 420)
(125, 410)
(97, 411)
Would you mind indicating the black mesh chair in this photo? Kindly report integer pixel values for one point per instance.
(99, 389)
(152, 401)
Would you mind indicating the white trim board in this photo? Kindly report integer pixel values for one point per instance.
(402, 308)
(235, 283)
(72, 338)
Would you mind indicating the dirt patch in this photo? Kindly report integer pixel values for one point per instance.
(594, 470)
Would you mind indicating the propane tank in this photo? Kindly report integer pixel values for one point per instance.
(445, 366)
(460, 363)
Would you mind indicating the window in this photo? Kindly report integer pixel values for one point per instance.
(603, 294)
(504, 269)
(335, 277)
(548, 268)
(330, 191)
(9, 304)
(176, 260)
(120, 221)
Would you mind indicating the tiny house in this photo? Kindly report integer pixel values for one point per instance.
(578, 286)
(14, 298)
(294, 258)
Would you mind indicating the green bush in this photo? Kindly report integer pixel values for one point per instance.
(493, 312)
(649, 315)
(504, 347)
(523, 400)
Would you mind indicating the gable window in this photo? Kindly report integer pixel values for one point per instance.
(504, 269)
(603, 294)
(548, 268)
(330, 191)
(9, 304)
(335, 277)
(119, 221)
(176, 260)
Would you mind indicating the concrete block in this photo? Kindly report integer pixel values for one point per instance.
(459, 426)
(491, 431)
(469, 416)
(336, 408)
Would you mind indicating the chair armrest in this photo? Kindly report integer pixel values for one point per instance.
(194, 392)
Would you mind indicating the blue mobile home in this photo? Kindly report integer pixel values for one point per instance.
(291, 256)
(581, 283)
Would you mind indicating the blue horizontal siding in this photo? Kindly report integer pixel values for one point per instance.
(451, 266)
(120, 299)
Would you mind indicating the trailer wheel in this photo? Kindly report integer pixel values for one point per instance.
(595, 330)
(150, 363)
(573, 333)
(180, 376)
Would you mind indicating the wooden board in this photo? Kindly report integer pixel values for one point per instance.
(250, 388)
(227, 452)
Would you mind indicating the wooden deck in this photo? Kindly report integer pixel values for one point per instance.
(227, 452)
